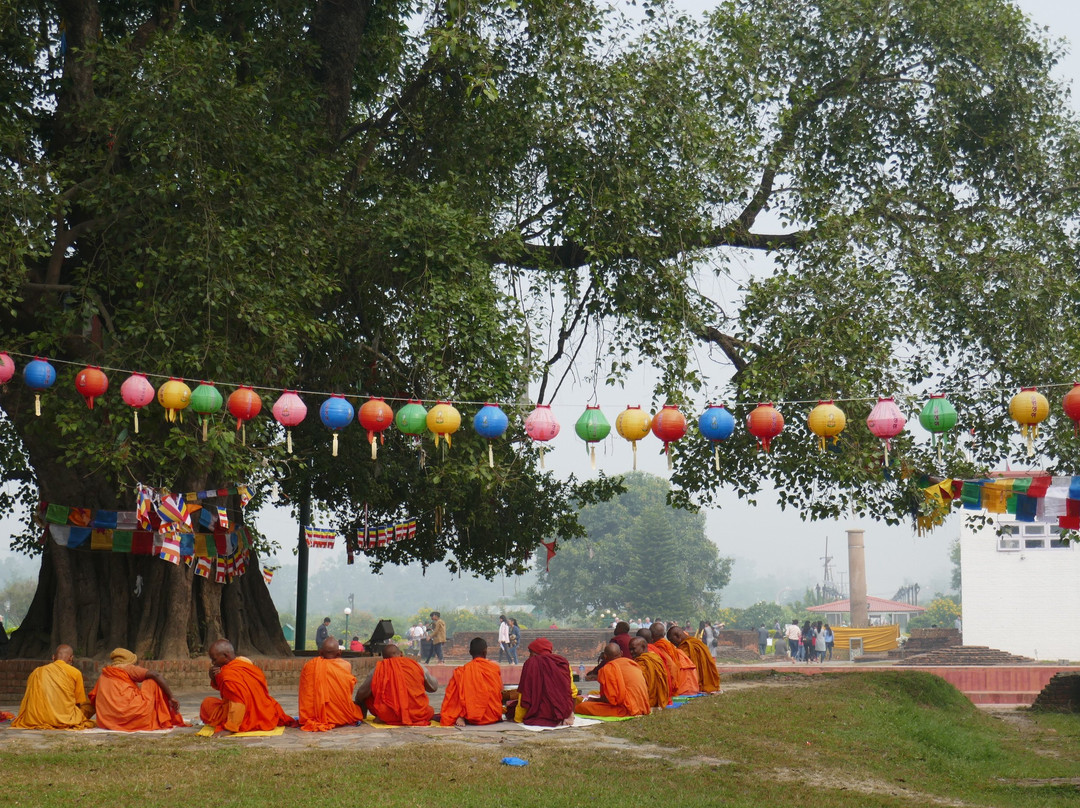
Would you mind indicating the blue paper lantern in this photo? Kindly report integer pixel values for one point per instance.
(716, 424)
(39, 375)
(336, 414)
(490, 422)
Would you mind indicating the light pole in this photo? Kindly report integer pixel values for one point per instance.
(348, 611)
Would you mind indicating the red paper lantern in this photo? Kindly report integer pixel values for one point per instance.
(669, 425)
(7, 368)
(289, 411)
(244, 404)
(765, 422)
(375, 416)
(91, 383)
(137, 392)
(1071, 405)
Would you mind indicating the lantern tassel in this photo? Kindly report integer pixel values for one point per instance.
(288, 441)
(885, 463)
(374, 449)
(541, 457)
(334, 453)
(37, 405)
(136, 422)
(592, 455)
(204, 436)
(716, 455)
(633, 445)
(491, 456)
(667, 451)
(243, 434)
(821, 443)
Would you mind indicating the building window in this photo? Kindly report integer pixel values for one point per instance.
(1014, 537)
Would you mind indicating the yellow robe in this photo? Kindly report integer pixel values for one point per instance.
(55, 699)
(708, 675)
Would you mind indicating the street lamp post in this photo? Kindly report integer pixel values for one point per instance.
(348, 611)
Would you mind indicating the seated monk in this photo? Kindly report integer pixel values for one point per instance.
(708, 675)
(686, 675)
(55, 697)
(654, 670)
(623, 690)
(245, 704)
(670, 665)
(326, 689)
(130, 698)
(474, 695)
(545, 688)
(396, 691)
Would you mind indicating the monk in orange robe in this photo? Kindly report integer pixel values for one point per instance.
(687, 676)
(654, 670)
(245, 704)
(708, 675)
(474, 695)
(131, 698)
(55, 696)
(623, 691)
(396, 691)
(670, 665)
(326, 689)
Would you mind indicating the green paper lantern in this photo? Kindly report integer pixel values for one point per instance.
(591, 427)
(938, 416)
(411, 419)
(205, 400)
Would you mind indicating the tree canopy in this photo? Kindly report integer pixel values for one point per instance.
(640, 558)
(450, 200)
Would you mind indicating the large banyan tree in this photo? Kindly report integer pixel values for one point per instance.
(460, 200)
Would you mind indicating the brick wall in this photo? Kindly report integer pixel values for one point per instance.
(1061, 695)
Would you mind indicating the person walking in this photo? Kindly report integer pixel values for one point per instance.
(515, 640)
(504, 638)
(438, 637)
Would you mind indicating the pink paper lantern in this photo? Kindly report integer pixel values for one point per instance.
(886, 422)
(7, 368)
(541, 426)
(289, 411)
(137, 392)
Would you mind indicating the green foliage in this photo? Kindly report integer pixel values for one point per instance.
(941, 612)
(15, 600)
(641, 558)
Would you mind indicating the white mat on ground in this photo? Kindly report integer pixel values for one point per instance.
(579, 721)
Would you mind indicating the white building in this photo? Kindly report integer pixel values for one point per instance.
(1021, 587)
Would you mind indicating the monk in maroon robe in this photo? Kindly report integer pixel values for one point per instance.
(545, 687)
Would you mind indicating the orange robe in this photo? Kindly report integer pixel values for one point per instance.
(121, 703)
(623, 686)
(398, 695)
(656, 678)
(687, 676)
(708, 675)
(474, 693)
(670, 664)
(245, 704)
(55, 699)
(326, 695)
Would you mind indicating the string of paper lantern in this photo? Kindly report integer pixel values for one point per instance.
(826, 420)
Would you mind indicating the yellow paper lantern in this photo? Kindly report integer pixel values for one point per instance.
(633, 424)
(443, 419)
(826, 421)
(1029, 408)
(174, 396)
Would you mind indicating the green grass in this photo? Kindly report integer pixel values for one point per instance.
(847, 740)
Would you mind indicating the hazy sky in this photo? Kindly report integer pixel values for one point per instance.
(765, 541)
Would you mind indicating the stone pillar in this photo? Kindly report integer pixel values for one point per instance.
(860, 617)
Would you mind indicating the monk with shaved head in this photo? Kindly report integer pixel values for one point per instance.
(474, 694)
(326, 689)
(623, 690)
(55, 696)
(654, 670)
(245, 704)
(396, 691)
(698, 652)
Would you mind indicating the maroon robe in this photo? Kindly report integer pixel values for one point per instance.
(545, 690)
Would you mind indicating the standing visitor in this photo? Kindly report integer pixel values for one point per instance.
(793, 635)
(515, 639)
(762, 640)
(830, 639)
(438, 637)
(504, 638)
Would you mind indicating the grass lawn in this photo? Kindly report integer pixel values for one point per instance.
(874, 739)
